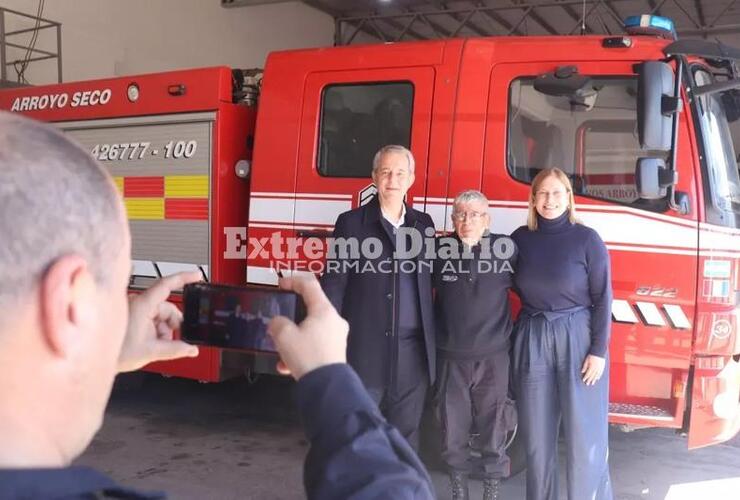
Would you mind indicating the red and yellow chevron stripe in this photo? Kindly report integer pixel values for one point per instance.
(169, 197)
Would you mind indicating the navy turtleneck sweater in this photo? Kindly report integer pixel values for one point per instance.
(562, 266)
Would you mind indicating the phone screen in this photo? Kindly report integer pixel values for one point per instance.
(235, 317)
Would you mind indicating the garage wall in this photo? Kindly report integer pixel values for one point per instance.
(102, 38)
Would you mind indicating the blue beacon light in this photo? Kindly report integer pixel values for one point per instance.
(650, 25)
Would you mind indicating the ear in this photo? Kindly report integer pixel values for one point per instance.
(66, 300)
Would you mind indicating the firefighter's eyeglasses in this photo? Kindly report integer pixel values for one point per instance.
(471, 216)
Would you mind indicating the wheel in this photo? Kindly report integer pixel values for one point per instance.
(514, 449)
(517, 453)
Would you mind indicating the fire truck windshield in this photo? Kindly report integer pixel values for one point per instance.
(593, 139)
(721, 140)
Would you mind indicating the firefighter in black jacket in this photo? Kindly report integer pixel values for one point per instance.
(472, 277)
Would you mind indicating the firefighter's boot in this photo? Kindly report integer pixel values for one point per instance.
(459, 484)
(491, 489)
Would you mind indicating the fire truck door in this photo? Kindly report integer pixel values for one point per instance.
(347, 117)
(653, 249)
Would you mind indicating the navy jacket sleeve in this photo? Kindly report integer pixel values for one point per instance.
(68, 483)
(334, 279)
(355, 453)
(600, 289)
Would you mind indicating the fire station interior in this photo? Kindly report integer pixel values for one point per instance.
(240, 436)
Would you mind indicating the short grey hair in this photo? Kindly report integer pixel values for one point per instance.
(470, 195)
(55, 200)
(394, 148)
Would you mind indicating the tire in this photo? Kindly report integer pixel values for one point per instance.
(517, 453)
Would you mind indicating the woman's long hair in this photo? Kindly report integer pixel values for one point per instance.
(536, 182)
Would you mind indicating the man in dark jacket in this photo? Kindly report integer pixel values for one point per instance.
(67, 328)
(384, 291)
(472, 278)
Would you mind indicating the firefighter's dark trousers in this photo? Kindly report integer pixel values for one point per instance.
(548, 356)
(473, 396)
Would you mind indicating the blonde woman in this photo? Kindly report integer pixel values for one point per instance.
(561, 343)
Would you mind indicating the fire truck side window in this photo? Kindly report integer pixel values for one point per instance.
(592, 140)
(357, 120)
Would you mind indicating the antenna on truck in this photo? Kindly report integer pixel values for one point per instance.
(583, 19)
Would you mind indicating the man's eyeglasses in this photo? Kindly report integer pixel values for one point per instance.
(472, 216)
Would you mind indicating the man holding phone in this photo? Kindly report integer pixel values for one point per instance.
(67, 327)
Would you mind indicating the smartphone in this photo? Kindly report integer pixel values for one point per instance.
(235, 317)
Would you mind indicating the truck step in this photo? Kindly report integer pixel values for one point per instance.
(635, 410)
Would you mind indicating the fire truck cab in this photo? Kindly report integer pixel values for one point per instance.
(641, 123)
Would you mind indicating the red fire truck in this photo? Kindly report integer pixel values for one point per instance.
(641, 123)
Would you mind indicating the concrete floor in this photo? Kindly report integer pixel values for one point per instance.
(239, 441)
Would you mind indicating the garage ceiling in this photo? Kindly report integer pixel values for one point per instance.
(395, 20)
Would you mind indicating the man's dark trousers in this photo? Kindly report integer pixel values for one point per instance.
(402, 403)
(391, 338)
(472, 395)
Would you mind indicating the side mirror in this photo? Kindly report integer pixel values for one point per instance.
(653, 178)
(655, 105)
